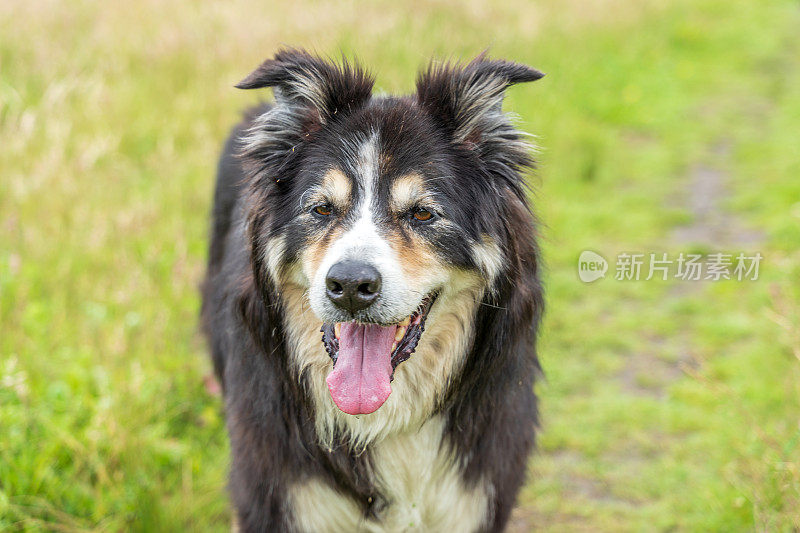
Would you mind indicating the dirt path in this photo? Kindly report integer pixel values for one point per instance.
(650, 373)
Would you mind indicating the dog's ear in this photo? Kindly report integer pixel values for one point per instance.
(300, 79)
(467, 101)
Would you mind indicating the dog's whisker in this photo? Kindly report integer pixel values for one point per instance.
(485, 304)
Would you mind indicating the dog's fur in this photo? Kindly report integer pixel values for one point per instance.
(447, 451)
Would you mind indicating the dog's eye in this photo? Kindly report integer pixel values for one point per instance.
(322, 210)
(422, 215)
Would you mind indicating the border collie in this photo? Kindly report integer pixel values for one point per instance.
(372, 300)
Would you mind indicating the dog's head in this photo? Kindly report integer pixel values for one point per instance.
(385, 216)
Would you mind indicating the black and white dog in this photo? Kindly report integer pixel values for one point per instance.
(372, 300)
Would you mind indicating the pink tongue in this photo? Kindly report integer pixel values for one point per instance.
(359, 383)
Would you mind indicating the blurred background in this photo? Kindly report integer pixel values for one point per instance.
(664, 126)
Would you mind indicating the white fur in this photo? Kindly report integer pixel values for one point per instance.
(488, 257)
(274, 129)
(480, 103)
(418, 475)
(363, 241)
(273, 255)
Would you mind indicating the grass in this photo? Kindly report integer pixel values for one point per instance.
(667, 405)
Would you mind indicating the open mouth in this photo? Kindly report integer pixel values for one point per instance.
(365, 356)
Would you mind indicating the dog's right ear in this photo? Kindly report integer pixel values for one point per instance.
(300, 79)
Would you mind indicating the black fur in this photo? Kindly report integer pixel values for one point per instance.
(454, 134)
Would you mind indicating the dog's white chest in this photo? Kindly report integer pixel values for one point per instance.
(418, 478)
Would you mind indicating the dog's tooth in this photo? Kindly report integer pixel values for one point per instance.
(337, 329)
(406, 321)
(400, 333)
(394, 346)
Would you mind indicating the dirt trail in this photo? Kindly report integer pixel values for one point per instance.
(713, 225)
(650, 373)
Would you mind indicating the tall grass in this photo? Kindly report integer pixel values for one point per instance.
(666, 406)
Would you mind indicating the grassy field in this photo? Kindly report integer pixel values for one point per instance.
(665, 127)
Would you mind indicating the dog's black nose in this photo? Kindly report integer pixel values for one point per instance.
(353, 285)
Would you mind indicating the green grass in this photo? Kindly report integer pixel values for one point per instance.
(667, 405)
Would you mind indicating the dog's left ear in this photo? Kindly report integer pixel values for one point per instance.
(467, 101)
(300, 79)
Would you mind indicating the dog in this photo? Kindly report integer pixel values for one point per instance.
(372, 299)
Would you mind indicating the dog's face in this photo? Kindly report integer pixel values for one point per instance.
(387, 216)
(379, 237)
(382, 226)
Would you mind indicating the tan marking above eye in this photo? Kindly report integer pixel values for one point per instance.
(407, 191)
(335, 190)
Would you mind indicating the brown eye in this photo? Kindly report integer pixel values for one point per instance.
(322, 210)
(423, 215)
